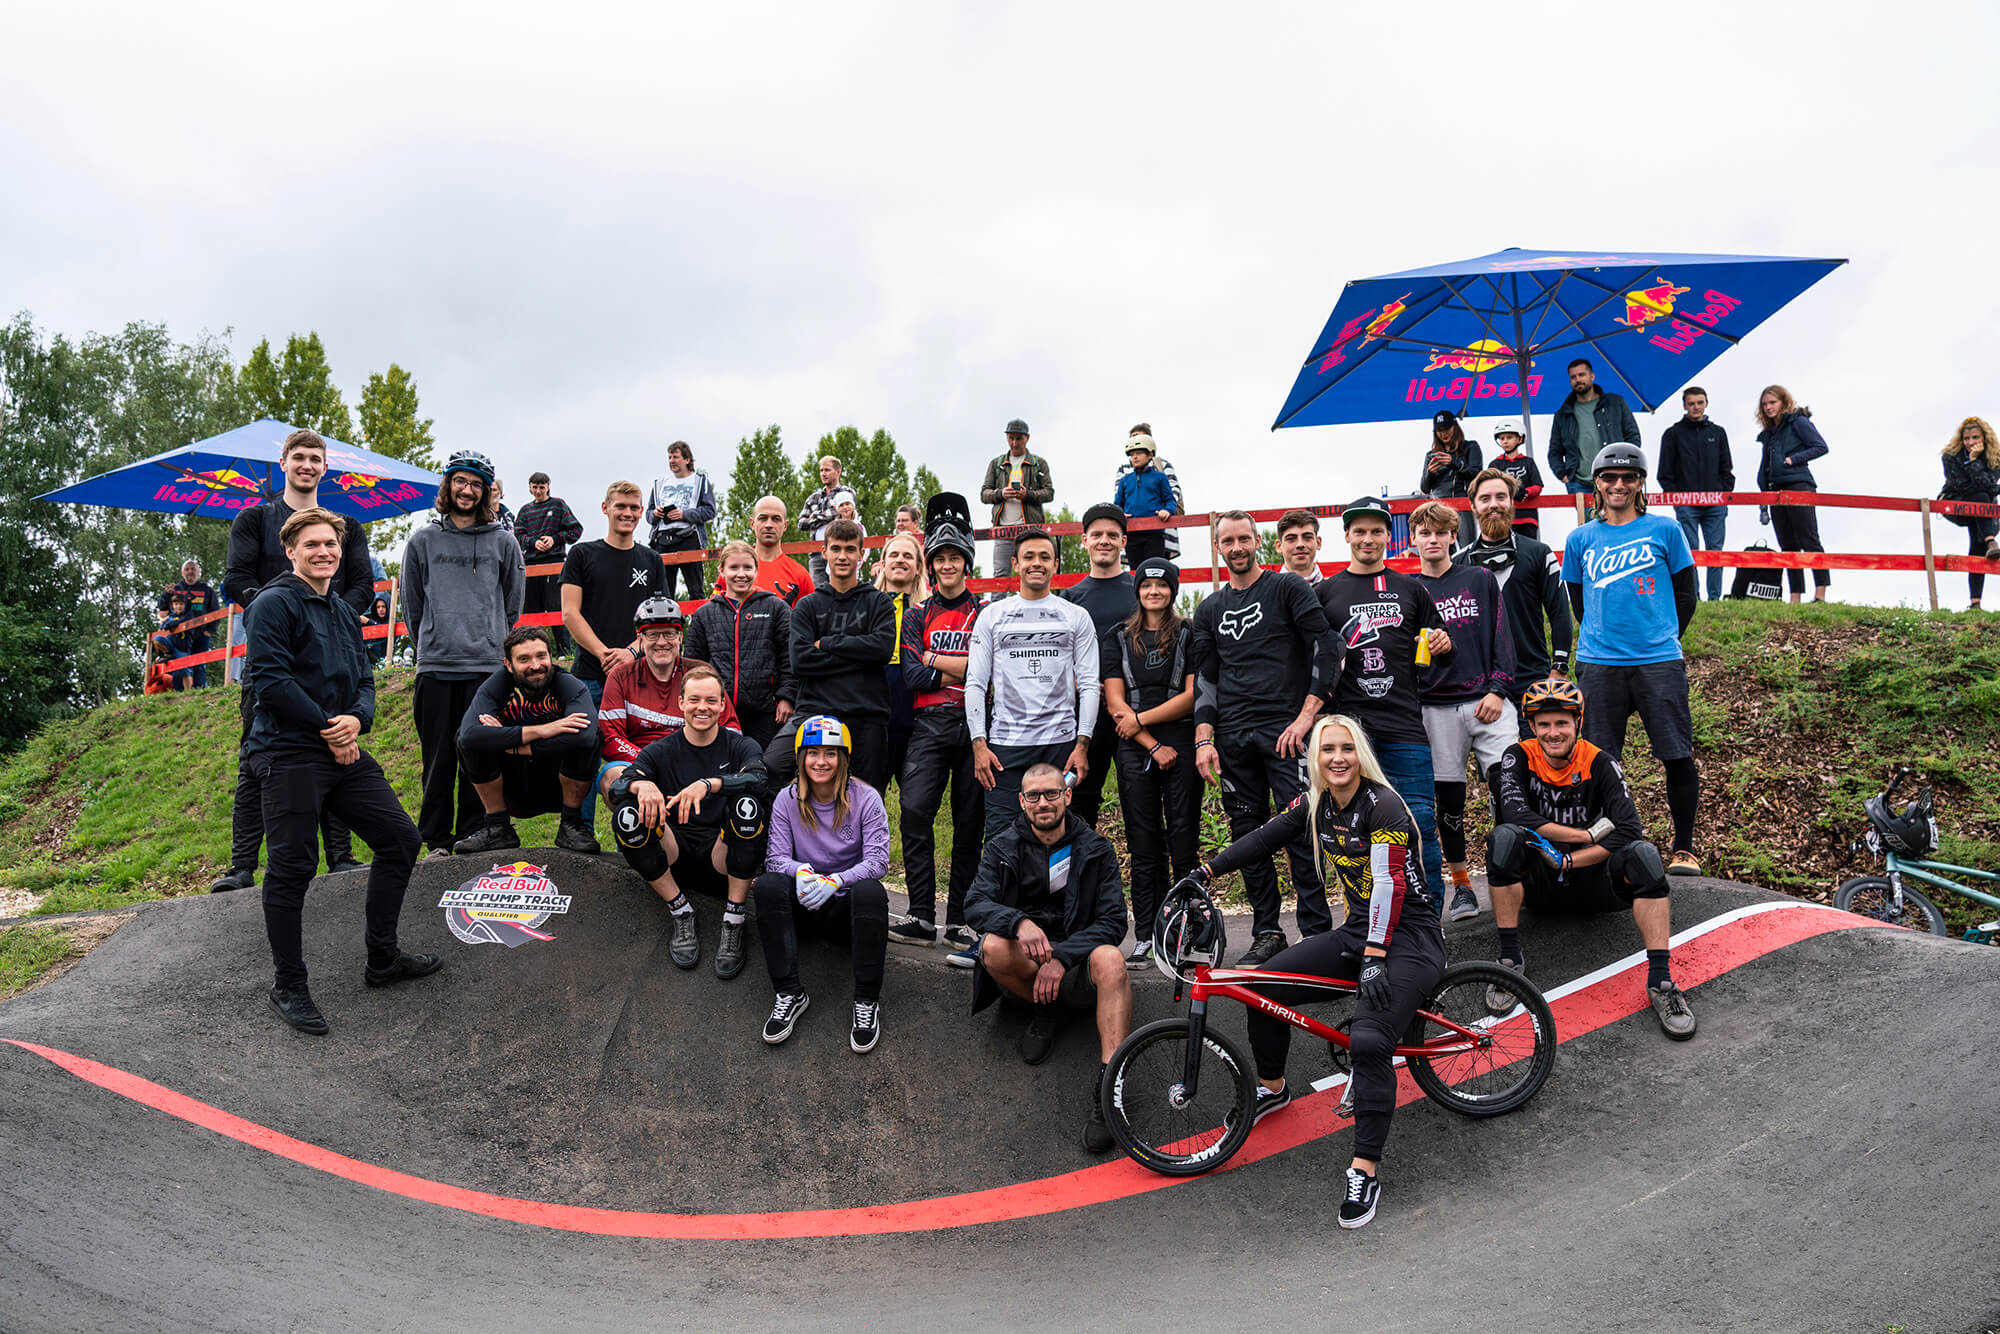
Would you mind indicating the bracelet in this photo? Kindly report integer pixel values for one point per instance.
(1154, 749)
(1203, 742)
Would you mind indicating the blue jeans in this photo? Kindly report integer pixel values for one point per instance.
(1408, 769)
(595, 685)
(1705, 522)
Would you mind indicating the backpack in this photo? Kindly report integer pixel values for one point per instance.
(1762, 584)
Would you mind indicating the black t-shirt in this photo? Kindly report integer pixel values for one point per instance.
(1376, 618)
(672, 762)
(1152, 680)
(614, 583)
(1110, 602)
(1258, 650)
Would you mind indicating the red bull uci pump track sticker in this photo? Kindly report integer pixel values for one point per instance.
(506, 906)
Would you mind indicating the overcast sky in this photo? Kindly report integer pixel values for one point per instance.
(587, 231)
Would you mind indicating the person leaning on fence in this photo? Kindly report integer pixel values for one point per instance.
(680, 506)
(816, 512)
(1170, 545)
(1694, 456)
(1144, 493)
(546, 528)
(463, 586)
(1790, 441)
(315, 693)
(1018, 487)
(1050, 911)
(528, 743)
(201, 599)
(745, 633)
(378, 615)
(256, 557)
(1972, 473)
(1520, 466)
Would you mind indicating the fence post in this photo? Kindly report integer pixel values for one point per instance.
(1214, 567)
(1930, 560)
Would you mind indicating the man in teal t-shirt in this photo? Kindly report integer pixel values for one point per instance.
(1632, 584)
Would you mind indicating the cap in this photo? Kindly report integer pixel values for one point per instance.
(1144, 442)
(1158, 567)
(1507, 428)
(1103, 510)
(1366, 507)
(1017, 427)
(1443, 417)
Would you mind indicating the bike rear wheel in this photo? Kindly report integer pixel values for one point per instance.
(1153, 1117)
(1520, 1040)
(1871, 896)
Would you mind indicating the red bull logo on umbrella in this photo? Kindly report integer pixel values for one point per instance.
(354, 481)
(1369, 325)
(1478, 357)
(218, 488)
(1682, 330)
(1647, 304)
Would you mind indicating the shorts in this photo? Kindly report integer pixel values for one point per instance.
(1455, 733)
(1077, 991)
(1656, 691)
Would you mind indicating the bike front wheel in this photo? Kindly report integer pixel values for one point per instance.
(1516, 1040)
(1153, 1115)
(1873, 897)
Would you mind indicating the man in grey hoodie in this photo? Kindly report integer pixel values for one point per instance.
(463, 585)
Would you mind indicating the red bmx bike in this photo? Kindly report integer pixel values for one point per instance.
(1177, 1096)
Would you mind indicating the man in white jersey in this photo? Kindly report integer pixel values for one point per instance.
(1031, 689)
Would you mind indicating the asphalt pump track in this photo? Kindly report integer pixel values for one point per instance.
(571, 1133)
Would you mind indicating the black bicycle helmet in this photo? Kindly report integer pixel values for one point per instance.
(1914, 833)
(1619, 456)
(1190, 928)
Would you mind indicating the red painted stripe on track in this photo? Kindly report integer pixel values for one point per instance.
(1309, 1118)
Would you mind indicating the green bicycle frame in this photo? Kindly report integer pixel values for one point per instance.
(1927, 873)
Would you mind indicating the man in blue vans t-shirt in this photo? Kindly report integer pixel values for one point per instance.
(1632, 585)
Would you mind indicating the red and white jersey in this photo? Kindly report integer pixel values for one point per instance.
(639, 708)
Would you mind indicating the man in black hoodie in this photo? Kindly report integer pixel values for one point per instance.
(1694, 456)
(315, 691)
(256, 557)
(1050, 907)
(529, 743)
(843, 634)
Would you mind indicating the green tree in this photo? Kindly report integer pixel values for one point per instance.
(761, 469)
(297, 388)
(390, 425)
(1071, 558)
(925, 484)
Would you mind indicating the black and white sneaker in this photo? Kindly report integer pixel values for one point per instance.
(1141, 955)
(1363, 1192)
(960, 936)
(867, 1025)
(785, 1012)
(913, 931)
(967, 957)
(1464, 905)
(1267, 1102)
(683, 939)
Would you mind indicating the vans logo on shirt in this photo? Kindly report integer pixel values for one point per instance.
(1608, 565)
(1238, 620)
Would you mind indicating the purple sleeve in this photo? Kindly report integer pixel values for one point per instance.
(874, 820)
(778, 859)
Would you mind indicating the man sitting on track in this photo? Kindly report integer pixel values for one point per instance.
(1568, 836)
(691, 799)
(528, 744)
(1391, 942)
(1051, 908)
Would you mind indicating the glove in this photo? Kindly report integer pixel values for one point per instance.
(1601, 828)
(835, 883)
(814, 890)
(1554, 856)
(1764, 515)
(1373, 989)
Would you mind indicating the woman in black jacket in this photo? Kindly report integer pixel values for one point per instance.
(1449, 467)
(1972, 472)
(744, 633)
(1789, 442)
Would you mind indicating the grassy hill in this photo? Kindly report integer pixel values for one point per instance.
(1800, 713)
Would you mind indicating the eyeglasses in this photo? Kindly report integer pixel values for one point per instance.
(1047, 797)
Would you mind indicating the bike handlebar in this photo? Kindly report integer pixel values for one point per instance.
(1895, 783)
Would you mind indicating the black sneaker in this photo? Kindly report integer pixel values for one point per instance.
(867, 1029)
(344, 865)
(575, 836)
(295, 1006)
(785, 1012)
(960, 935)
(1464, 904)
(1261, 949)
(406, 967)
(1357, 1206)
(683, 939)
(1267, 1102)
(913, 931)
(488, 838)
(1040, 1039)
(729, 950)
(1671, 1008)
(1096, 1131)
(236, 877)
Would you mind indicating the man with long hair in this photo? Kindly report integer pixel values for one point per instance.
(463, 587)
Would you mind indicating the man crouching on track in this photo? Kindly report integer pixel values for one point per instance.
(1051, 907)
(1567, 836)
(315, 691)
(692, 798)
(1391, 943)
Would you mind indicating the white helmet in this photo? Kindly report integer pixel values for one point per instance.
(1507, 428)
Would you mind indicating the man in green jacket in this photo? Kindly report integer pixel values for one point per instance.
(1017, 486)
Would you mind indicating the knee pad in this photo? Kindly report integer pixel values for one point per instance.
(746, 817)
(636, 839)
(1505, 849)
(1641, 868)
(1370, 1041)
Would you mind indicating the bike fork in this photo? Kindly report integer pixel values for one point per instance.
(1197, 1031)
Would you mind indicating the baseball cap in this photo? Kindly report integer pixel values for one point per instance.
(1366, 507)
(1443, 417)
(1016, 427)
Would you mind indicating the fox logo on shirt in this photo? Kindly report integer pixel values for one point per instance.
(1236, 621)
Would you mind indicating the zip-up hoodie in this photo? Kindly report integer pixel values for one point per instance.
(1694, 456)
(304, 664)
(749, 643)
(462, 591)
(840, 644)
(1788, 447)
(1016, 865)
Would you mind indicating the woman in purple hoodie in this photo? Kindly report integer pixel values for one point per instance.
(823, 868)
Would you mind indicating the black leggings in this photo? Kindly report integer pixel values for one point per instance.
(1797, 529)
(1416, 963)
(1981, 531)
(1162, 809)
(860, 915)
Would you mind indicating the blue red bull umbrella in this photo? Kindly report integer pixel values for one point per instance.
(225, 473)
(1496, 334)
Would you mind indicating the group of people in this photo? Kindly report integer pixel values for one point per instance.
(747, 749)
